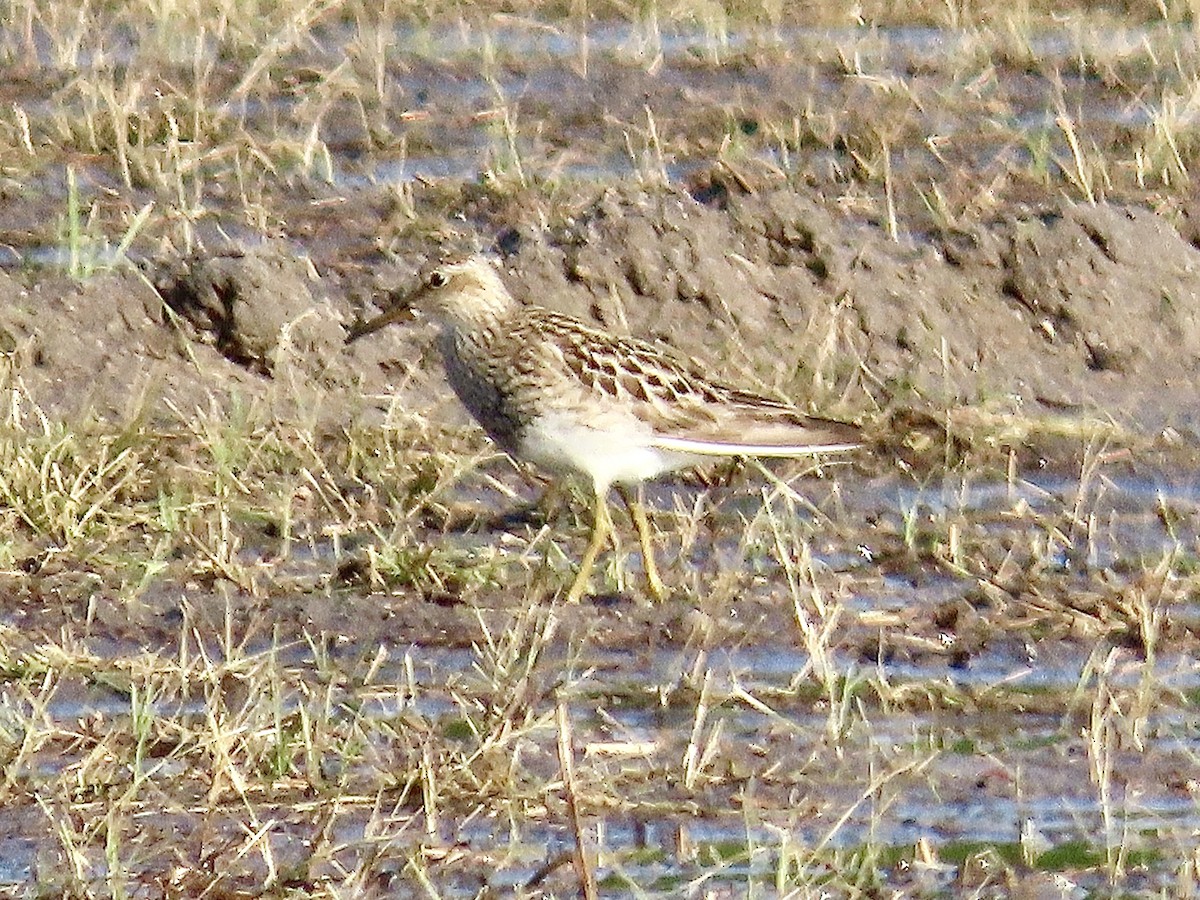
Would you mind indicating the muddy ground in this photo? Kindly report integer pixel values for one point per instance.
(990, 343)
(1060, 316)
(1024, 368)
(983, 344)
(1075, 310)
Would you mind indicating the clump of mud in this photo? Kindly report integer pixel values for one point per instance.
(1086, 311)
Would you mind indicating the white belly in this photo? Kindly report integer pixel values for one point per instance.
(616, 451)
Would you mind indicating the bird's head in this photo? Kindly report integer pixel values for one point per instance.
(462, 293)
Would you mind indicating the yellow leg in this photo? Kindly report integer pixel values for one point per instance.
(638, 514)
(601, 528)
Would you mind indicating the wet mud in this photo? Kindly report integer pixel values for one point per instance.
(980, 632)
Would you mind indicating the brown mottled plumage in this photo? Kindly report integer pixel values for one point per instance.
(573, 399)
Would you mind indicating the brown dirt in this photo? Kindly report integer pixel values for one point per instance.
(1062, 311)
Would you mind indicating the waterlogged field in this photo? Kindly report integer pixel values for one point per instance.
(965, 685)
(275, 620)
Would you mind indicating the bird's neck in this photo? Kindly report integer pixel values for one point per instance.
(485, 311)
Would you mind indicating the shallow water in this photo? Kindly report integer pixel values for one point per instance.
(794, 761)
(515, 98)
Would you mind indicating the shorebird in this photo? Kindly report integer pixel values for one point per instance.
(575, 400)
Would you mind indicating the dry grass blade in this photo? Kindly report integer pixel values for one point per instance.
(566, 761)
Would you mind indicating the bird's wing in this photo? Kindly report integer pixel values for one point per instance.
(686, 410)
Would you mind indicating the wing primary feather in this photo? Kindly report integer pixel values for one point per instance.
(702, 447)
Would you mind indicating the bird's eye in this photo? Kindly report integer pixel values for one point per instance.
(437, 279)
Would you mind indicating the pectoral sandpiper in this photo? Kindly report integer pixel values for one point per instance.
(576, 400)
